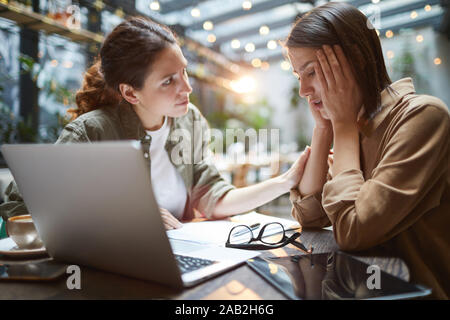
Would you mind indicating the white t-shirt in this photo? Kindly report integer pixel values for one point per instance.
(168, 185)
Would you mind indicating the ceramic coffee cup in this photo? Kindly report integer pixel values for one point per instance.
(23, 232)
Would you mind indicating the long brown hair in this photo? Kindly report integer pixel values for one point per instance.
(126, 56)
(342, 24)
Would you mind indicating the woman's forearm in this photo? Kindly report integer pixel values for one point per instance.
(248, 198)
(316, 169)
(346, 148)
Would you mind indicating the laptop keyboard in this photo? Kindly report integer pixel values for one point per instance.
(188, 264)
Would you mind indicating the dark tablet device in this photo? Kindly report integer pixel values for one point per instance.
(332, 276)
(39, 271)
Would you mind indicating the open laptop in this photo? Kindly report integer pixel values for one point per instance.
(93, 205)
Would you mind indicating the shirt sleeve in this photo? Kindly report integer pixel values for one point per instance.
(367, 213)
(308, 210)
(209, 186)
(72, 134)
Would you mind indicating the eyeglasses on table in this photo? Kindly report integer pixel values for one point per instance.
(271, 236)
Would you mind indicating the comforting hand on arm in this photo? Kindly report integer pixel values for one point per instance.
(246, 199)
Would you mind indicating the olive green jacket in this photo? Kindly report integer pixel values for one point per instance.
(187, 146)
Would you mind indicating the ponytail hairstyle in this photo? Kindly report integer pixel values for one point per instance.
(126, 57)
(343, 24)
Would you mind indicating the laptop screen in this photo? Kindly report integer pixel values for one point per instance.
(332, 276)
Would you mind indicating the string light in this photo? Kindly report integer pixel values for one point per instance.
(211, 38)
(265, 66)
(390, 54)
(427, 8)
(389, 34)
(264, 30)
(243, 85)
(272, 44)
(68, 64)
(249, 47)
(154, 5)
(119, 12)
(235, 44)
(208, 25)
(413, 15)
(195, 12)
(54, 63)
(256, 62)
(99, 5)
(246, 5)
(285, 65)
(419, 38)
(437, 61)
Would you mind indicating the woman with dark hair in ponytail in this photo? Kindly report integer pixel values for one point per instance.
(387, 184)
(139, 89)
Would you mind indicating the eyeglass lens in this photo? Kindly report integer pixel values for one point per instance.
(241, 234)
(272, 233)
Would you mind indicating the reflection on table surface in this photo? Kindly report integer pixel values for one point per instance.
(239, 283)
(330, 276)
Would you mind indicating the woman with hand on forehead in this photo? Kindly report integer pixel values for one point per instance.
(387, 185)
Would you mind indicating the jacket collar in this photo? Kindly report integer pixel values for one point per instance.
(131, 123)
(390, 97)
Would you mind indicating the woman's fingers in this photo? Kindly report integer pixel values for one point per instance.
(330, 160)
(320, 76)
(334, 65)
(295, 172)
(345, 66)
(327, 72)
(170, 222)
(330, 164)
(299, 165)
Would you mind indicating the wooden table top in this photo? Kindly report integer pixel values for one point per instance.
(239, 283)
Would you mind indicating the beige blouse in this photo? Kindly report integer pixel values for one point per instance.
(400, 199)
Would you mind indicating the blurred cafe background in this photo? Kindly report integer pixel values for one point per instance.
(239, 75)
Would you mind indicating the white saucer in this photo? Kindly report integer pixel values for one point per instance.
(9, 248)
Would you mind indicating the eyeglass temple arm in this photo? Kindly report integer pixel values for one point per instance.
(299, 244)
